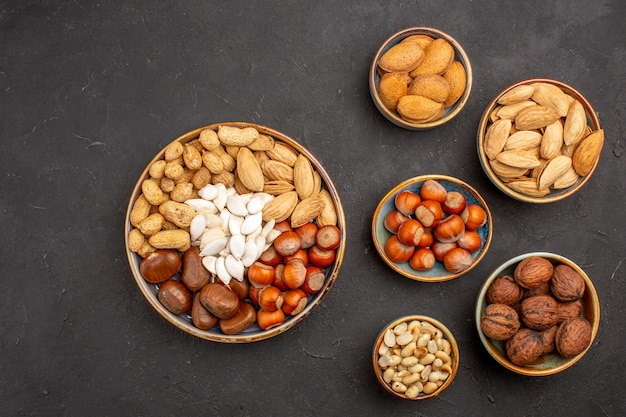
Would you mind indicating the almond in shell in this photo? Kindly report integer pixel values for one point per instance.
(422, 40)
(276, 170)
(305, 211)
(303, 177)
(509, 111)
(328, 215)
(402, 57)
(552, 140)
(431, 86)
(277, 187)
(549, 95)
(528, 187)
(496, 136)
(566, 180)
(283, 153)
(457, 78)
(575, 123)
(516, 94)
(418, 109)
(519, 159)
(587, 152)
(249, 171)
(555, 168)
(391, 87)
(506, 171)
(523, 139)
(535, 117)
(438, 57)
(281, 207)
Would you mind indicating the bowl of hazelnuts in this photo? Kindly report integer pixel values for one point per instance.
(537, 314)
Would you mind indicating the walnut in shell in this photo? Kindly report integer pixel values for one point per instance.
(533, 271)
(573, 336)
(567, 284)
(525, 347)
(549, 339)
(504, 290)
(570, 310)
(540, 312)
(499, 322)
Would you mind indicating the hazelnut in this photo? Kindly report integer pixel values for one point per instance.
(499, 322)
(525, 347)
(540, 312)
(533, 271)
(549, 339)
(567, 284)
(570, 310)
(573, 336)
(504, 290)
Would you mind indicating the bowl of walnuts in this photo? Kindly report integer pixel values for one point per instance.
(537, 314)
(420, 78)
(539, 141)
(234, 232)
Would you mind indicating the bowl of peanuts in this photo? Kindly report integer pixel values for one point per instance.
(537, 314)
(420, 78)
(234, 232)
(415, 357)
(432, 228)
(539, 141)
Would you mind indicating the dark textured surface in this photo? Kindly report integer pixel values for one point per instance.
(92, 90)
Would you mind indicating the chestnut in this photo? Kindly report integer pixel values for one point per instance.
(219, 300)
(243, 319)
(200, 316)
(175, 297)
(160, 266)
(193, 274)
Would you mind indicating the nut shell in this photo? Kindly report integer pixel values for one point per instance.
(573, 336)
(567, 284)
(540, 312)
(504, 290)
(570, 310)
(525, 347)
(533, 271)
(499, 322)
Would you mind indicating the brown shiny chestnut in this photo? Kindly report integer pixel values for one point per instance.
(193, 274)
(175, 297)
(219, 300)
(160, 266)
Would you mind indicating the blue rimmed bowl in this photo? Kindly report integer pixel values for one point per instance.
(438, 273)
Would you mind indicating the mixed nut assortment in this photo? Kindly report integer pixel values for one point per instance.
(538, 311)
(420, 78)
(415, 358)
(538, 140)
(434, 225)
(235, 228)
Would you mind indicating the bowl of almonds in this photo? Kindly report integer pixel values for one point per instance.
(234, 232)
(539, 141)
(415, 357)
(537, 314)
(420, 78)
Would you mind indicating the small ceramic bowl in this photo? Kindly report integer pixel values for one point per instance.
(449, 112)
(550, 363)
(253, 333)
(443, 369)
(438, 272)
(554, 194)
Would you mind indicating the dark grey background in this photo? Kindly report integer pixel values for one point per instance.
(90, 91)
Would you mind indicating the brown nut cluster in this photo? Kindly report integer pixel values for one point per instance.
(538, 311)
(420, 78)
(537, 139)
